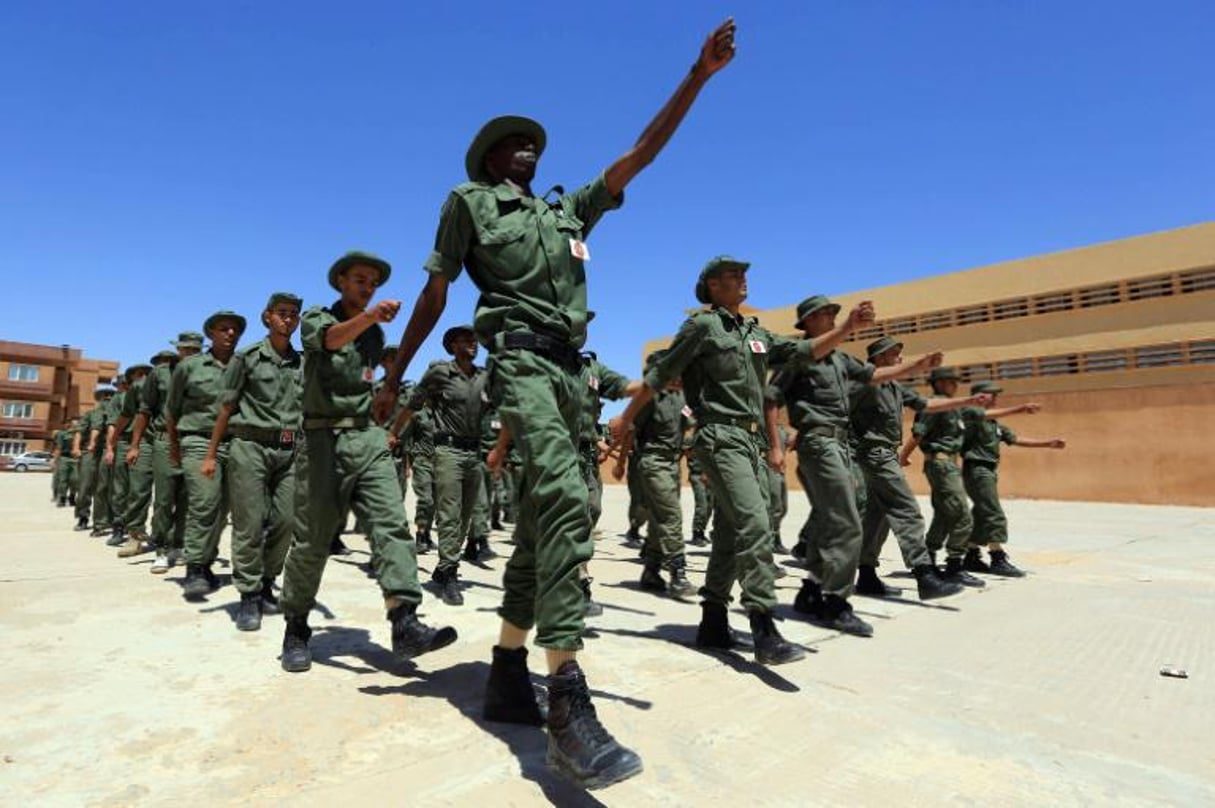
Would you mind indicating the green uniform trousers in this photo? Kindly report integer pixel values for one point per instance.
(778, 498)
(742, 535)
(120, 484)
(139, 490)
(65, 482)
(702, 499)
(834, 547)
(103, 513)
(261, 487)
(951, 521)
(540, 402)
(509, 494)
(991, 525)
(637, 513)
(659, 477)
(88, 483)
(171, 503)
(338, 470)
(423, 490)
(479, 526)
(458, 477)
(588, 459)
(813, 523)
(206, 499)
(498, 496)
(890, 506)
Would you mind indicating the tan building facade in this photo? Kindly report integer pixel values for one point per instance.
(41, 388)
(1117, 341)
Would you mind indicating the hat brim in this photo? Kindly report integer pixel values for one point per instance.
(347, 261)
(240, 321)
(835, 309)
(451, 333)
(493, 132)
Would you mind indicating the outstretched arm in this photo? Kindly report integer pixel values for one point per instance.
(426, 312)
(1001, 412)
(862, 314)
(941, 404)
(1034, 443)
(905, 369)
(715, 54)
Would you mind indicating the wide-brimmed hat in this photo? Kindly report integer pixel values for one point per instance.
(812, 304)
(284, 297)
(130, 372)
(160, 357)
(880, 346)
(985, 387)
(225, 314)
(944, 373)
(188, 339)
(358, 257)
(718, 263)
(489, 136)
(455, 331)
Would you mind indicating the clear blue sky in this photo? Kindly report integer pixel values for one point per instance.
(163, 160)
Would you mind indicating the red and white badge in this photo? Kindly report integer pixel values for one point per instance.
(368, 374)
(593, 383)
(757, 346)
(579, 250)
(687, 411)
(287, 436)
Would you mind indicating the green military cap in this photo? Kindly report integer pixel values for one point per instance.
(225, 314)
(188, 339)
(812, 304)
(453, 332)
(985, 387)
(129, 373)
(882, 345)
(489, 136)
(357, 257)
(284, 297)
(160, 357)
(716, 264)
(944, 373)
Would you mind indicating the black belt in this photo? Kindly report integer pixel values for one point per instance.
(749, 424)
(270, 438)
(840, 433)
(457, 442)
(349, 422)
(557, 351)
(198, 433)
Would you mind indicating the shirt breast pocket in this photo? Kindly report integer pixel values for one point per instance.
(723, 359)
(501, 244)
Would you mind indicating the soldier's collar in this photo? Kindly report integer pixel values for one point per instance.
(737, 319)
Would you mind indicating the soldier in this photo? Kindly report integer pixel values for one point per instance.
(418, 438)
(190, 414)
(723, 358)
(87, 446)
(260, 412)
(639, 517)
(702, 496)
(527, 258)
(168, 481)
(65, 463)
(778, 495)
(602, 384)
(817, 392)
(346, 464)
(132, 481)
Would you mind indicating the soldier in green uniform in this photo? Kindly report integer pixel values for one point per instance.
(526, 256)
(259, 416)
(817, 392)
(418, 439)
(65, 481)
(702, 496)
(344, 464)
(723, 359)
(878, 424)
(94, 485)
(980, 475)
(602, 384)
(168, 480)
(639, 517)
(132, 481)
(190, 413)
(778, 495)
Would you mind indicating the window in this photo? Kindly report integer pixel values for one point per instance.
(1143, 288)
(1202, 352)
(972, 315)
(1015, 369)
(1157, 356)
(10, 448)
(938, 319)
(1045, 304)
(23, 373)
(1198, 280)
(1010, 309)
(1098, 361)
(1099, 295)
(14, 409)
(1058, 365)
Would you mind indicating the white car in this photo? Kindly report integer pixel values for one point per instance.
(30, 461)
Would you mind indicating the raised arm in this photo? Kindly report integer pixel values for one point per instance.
(715, 54)
(1001, 412)
(904, 369)
(942, 404)
(861, 315)
(1045, 443)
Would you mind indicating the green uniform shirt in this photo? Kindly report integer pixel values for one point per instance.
(817, 391)
(419, 434)
(661, 424)
(523, 255)
(63, 441)
(337, 384)
(984, 436)
(128, 408)
(601, 383)
(723, 361)
(264, 387)
(940, 432)
(194, 393)
(101, 419)
(153, 395)
(877, 412)
(457, 401)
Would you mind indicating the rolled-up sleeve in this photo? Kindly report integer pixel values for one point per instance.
(683, 350)
(453, 239)
(233, 384)
(593, 200)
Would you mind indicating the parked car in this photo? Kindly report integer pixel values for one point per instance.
(30, 461)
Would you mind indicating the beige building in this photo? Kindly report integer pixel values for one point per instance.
(1117, 341)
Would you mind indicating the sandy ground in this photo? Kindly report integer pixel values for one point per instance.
(1041, 691)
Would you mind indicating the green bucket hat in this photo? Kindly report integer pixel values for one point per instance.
(103, 390)
(494, 131)
(985, 387)
(161, 357)
(129, 373)
(453, 332)
(812, 304)
(284, 297)
(225, 314)
(188, 339)
(882, 345)
(718, 263)
(357, 257)
(944, 373)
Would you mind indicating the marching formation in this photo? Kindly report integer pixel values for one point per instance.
(287, 443)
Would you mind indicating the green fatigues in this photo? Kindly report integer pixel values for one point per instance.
(64, 480)
(264, 388)
(136, 477)
(120, 478)
(420, 434)
(344, 464)
(723, 361)
(94, 475)
(601, 383)
(638, 515)
(980, 474)
(816, 392)
(456, 402)
(523, 254)
(168, 481)
(941, 435)
(659, 430)
(878, 423)
(702, 497)
(86, 466)
(778, 492)
(193, 405)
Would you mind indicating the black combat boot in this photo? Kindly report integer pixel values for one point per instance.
(698, 538)
(837, 614)
(931, 586)
(82, 524)
(249, 615)
(714, 630)
(798, 550)
(1000, 565)
(118, 537)
(472, 550)
(195, 584)
(98, 532)
(297, 657)
(579, 747)
(777, 547)
(868, 583)
(974, 561)
(411, 637)
(679, 586)
(809, 599)
(269, 598)
(446, 581)
(63, 502)
(210, 576)
(509, 695)
(589, 607)
(633, 538)
(425, 545)
(337, 546)
(484, 550)
(953, 572)
(770, 647)
(496, 523)
(651, 579)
